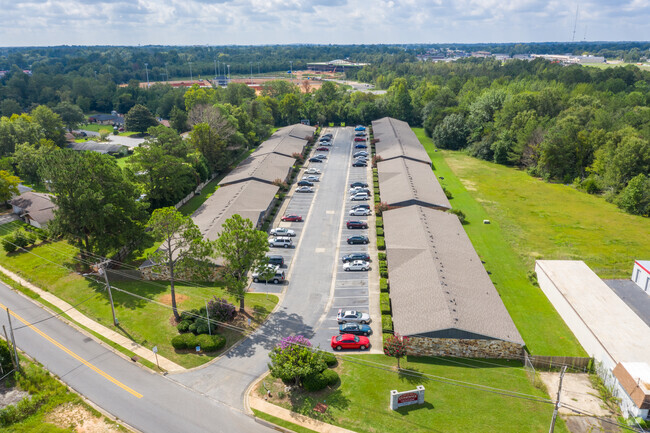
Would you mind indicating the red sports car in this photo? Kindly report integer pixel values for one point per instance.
(359, 138)
(349, 341)
(296, 218)
(323, 148)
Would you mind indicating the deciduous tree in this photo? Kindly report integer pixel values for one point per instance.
(139, 119)
(396, 346)
(294, 358)
(8, 185)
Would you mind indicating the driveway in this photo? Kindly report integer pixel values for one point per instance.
(306, 307)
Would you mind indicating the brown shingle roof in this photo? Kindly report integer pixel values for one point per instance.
(281, 144)
(634, 377)
(396, 139)
(437, 281)
(403, 182)
(38, 206)
(264, 168)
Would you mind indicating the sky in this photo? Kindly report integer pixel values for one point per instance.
(257, 22)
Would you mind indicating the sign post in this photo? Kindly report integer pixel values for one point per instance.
(155, 352)
(406, 398)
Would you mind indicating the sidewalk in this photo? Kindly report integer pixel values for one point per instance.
(296, 418)
(105, 332)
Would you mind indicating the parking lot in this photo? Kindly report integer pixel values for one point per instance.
(313, 266)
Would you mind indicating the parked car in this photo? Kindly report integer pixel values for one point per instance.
(359, 138)
(359, 164)
(315, 160)
(359, 212)
(355, 328)
(357, 265)
(360, 128)
(361, 153)
(357, 190)
(345, 316)
(276, 260)
(360, 196)
(282, 231)
(304, 189)
(355, 256)
(311, 178)
(328, 135)
(281, 241)
(360, 146)
(276, 277)
(324, 139)
(359, 239)
(312, 170)
(305, 183)
(361, 206)
(360, 184)
(320, 156)
(323, 149)
(292, 217)
(325, 143)
(354, 224)
(349, 341)
(360, 134)
(361, 158)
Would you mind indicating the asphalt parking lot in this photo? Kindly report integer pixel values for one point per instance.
(317, 286)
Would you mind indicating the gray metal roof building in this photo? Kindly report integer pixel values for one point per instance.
(297, 130)
(397, 140)
(98, 147)
(404, 182)
(264, 168)
(281, 144)
(438, 286)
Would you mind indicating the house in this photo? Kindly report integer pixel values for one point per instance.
(405, 182)
(634, 379)
(442, 297)
(36, 209)
(395, 139)
(641, 274)
(105, 148)
(113, 119)
(606, 327)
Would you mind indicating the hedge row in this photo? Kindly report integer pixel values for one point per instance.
(381, 244)
(384, 303)
(379, 222)
(380, 231)
(208, 343)
(382, 256)
(383, 285)
(386, 323)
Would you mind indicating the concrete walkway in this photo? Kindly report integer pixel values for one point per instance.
(296, 418)
(105, 332)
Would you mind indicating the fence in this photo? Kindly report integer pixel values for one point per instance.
(196, 191)
(552, 362)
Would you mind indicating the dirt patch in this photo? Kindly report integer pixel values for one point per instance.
(9, 396)
(468, 184)
(167, 298)
(80, 419)
(583, 424)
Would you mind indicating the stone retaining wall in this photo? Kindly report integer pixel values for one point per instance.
(464, 348)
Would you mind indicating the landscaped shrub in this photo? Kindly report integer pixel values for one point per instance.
(460, 214)
(447, 193)
(183, 326)
(20, 238)
(202, 326)
(184, 341)
(315, 382)
(384, 303)
(379, 222)
(382, 256)
(383, 264)
(383, 285)
(377, 200)
(192, 327)
(331, 376)
(387, 323)
(43, 235)
(8, 244)
(221, 310)
(31, 237)
(190, 315)
(380, 231)
(329, 359)
(381, 244)
(210, 343)
(383, 273)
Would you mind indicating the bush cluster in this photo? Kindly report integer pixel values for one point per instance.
(460, 214)
(318, 381)
(386, 323)
(383, 285)
(189, 341)
(380, 231)
(196, 321)
(23, 238)
(381, 244)
(384, 303)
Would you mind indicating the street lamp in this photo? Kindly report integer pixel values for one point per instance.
(251, 65)
(146, 68)
(228, 73)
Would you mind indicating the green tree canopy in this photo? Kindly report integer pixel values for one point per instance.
(8, 185)
(71, 114)
(139, 119)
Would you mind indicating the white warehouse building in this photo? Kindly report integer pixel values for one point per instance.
(641, 274)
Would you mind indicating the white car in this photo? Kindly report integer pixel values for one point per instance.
(353, 316)
(305, 189)
(359, 212)
(360, 196)
(357, 265)
(312, 170)
(280, 242)
(358, 189)
(282, 231)
(311, 178)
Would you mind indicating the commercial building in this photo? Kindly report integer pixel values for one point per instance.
(395, 139)
(334, 66)
(441, 295)
(641, 274)
(404, 182)
(267, 168)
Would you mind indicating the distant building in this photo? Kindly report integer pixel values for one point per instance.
(36, 209)
(113, 119)
(221, 80)
(334, 66)
(641, 274)
(107, 148)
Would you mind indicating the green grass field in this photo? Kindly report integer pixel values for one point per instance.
(147, 323)
(541, 327)
(361, 402)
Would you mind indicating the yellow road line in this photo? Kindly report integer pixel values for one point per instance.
(74, 355)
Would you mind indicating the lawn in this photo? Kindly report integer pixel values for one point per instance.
(147, 323)
(361, 401)
(121, 162)
(541, 327)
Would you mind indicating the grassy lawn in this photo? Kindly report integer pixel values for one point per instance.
(121, 162)
(282, 423)
(541, 327)
(361, 401)
(146, 323)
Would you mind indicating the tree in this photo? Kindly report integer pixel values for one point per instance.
(97, 207)
(8, 185)
(50, 124)
(635, 198)
(183, 247)
(71, 114)
(243, 248)
(9, 107)
(451, 133)
(139, 119)
(178, 119)
(293, 359)
(213, 147)
(396, 346)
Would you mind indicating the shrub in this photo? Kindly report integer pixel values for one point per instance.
(460, 214)
(377, 200)
(383, 264)
(379, 222)
(192, 327)
(380, 231)
(381, 244)
(184, 341)
(20, 239)
(293, 359)
(383, 273)
(314, 382)
(183, 326)
(210, 343)
(384, 303)
(375, 184)
(387, 323)
(190, 315)
(202, 326)
(31, 237)
(382, 256)
(331, 376)
(8, 244)
(42, 235)
(448, 194)
(383, 285)
(330, 359)
(221, 310)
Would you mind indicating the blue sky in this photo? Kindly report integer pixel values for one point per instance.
(217, 22)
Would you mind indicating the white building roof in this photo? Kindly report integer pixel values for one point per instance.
(644, 264)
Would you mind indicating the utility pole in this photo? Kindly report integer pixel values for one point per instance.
(228, 73)
(215, 67)
(251, 65)
(291, 70)
(13, 359)
(102, 271)
(207, 315)
(146, 68)
(16, 361)
(557, 401)
(191, 71)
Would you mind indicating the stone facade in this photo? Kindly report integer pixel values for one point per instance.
(464, 348)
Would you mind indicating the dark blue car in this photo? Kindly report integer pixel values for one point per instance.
(355, 328)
